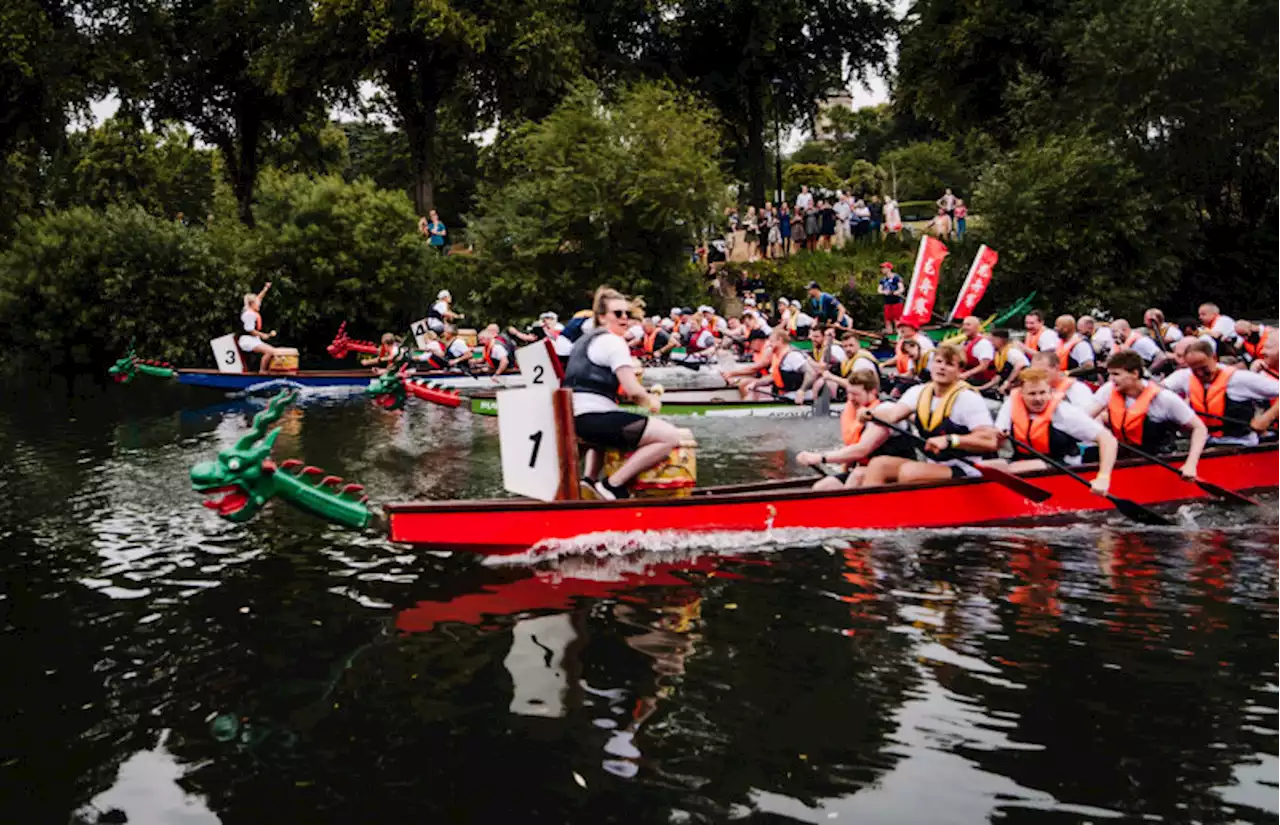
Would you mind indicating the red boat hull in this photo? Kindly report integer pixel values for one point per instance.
(504, 526)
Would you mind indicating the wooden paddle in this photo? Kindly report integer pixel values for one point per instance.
(1222, 493)
(1229, 420)
(1008, 480)
(1130, 509)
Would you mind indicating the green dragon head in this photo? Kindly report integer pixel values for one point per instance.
(128, 367)
(388, 389)
(244, 478)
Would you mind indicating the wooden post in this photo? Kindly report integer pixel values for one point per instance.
(567, 445)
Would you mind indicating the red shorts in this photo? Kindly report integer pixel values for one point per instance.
(893, 312)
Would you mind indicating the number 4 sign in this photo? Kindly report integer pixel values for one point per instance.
(528, 442)
(419, 329)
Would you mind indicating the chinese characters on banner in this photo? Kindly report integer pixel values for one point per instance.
(924, 281)
(975, 286)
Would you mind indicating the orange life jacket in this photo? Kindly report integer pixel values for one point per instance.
(1211, 400)
(1037, 432)
(1129, 424)
(901, 361)
(1129, 341)
(1255, 350)
(850, 424)
(488, 349)
(1033, 340)
(1064, 351)
(649, 338)
(775, 368)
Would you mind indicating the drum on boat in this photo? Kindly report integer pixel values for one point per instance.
(468, 336)
(285, 360)
(677, 475)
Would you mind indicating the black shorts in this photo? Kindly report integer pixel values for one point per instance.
(617, 429)
(757, 335)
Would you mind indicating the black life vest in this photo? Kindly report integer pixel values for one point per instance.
(584, 375)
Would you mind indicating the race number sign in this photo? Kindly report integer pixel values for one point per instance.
(226, 353)
(420, 329)
(924, 281)
(975, 285)
(528, 442)
(539, 365)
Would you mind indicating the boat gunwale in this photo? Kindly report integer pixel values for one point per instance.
(727, 493)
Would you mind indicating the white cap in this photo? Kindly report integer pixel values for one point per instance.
(675, 311)
(655, 320)
(442, 294)
(783, 302)
(548, 316)
(708, 310)
(667, 323)
(750, 301)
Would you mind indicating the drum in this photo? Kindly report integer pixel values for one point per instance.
(677, 475)
(468, 336)
(285, 360)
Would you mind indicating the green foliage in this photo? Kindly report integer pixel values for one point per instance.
(77, 285)
(812, 152)
(1070, 219)
(922, 170)
(121, 163)
(866, 179)
(601, 193)
(818, 177)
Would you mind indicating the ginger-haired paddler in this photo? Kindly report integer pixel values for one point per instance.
(862, 440)
(1039, 417)
(600, 370)
(952, 418)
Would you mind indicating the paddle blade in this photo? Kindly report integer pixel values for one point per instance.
(1228, 496)
(1023, 488)
(1140, 514)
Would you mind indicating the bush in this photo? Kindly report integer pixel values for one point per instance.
(818, 177)
(924, 169)
(866, 179)
(1069, 218)
(77, 285)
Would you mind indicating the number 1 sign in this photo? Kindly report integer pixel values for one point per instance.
(528, 442)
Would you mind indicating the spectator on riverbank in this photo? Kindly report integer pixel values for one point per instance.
(962, 212)
(435, 231)
(751, 223)
(784, 229)
(947, 203)
(804, 201)
(892, 289)
(861, 222)
(826, 225)
(892, 217)
(940, 226)
(774, 240)
(876, 210)
(812, 227)
(799, 237)
(844, 213)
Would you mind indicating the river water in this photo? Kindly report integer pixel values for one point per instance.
(163, 666)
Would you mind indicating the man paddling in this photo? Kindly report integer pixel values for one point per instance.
(1075, 353)
(1144, 414)
(1075, 390)
(788, 368)
(1008, 364)
(1036, 415)
(979, 353)
(1100, 336)
(952, 418)
(861, 440)
(1163, 333)
(1224, 397)
(1253, 337)
(655, 343)
(497, 350)
(1039, 337)
(1221, 328)
(1267, 361)
(1126, 337)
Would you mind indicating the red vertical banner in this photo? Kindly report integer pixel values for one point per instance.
(924, 281)
(975, 286)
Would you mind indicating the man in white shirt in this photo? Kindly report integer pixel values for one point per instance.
(1099, 336)
(1141, 412)
(1069, 430)
(955, 424)
(804, 200)
(456, 350)
(1126, 337)
(1039, 337)
(1224, 397)
(1075, 353)
(908, 331)
(440, 312)
(1219, 326)
(843, 211)
(1162, 332)
(1009, 362)
(787, 371)
(978, 352)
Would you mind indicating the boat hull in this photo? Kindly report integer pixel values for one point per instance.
(504, 526)
(719, 403)
(257, 382)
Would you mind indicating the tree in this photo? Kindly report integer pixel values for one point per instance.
(757, 60)
(816, 176)
(236, 71)
(428, 54)
(615, 191)
(866, 179)
(812, 151)
(1071, 220)
(922, 170)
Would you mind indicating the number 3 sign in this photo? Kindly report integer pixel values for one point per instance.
(527, 438)
(227, 354)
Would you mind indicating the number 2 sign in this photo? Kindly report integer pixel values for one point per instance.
(527, 439)
(539, 365)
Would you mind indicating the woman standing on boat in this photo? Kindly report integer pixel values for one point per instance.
(600, 370)
(253, 339)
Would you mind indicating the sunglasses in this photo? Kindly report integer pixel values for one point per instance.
(620, 314)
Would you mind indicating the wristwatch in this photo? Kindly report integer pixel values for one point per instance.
(954, 441)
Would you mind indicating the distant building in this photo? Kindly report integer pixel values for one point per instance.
(822, 129)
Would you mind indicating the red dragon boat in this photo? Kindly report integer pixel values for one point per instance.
(244, 478)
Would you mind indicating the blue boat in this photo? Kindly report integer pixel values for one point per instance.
(252, 382)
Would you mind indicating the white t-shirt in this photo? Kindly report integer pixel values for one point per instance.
(635, 333)
(842, 210)
(1067, 418)
(804, 200)
(926, 343)
(1147, 348)
(792, 362)
(247, 342)
(702, 339)
(562, 346)
(440, 308)
(1164, 407)
(1103, 340)
(1081, 353)
(970, 411)
(837, 353)
(1225, 329)
(1243, 386)
(1049, 340)
(610, 351)
(984, 350)
(497, 352)
(1078, 393)
(1014, 357)
(1172, 334)
(457, 348)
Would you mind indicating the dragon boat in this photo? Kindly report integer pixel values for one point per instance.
(244, 478)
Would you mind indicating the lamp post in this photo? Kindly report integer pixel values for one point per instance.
(777, 137)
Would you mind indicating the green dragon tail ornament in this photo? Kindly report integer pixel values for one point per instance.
(388, 389)
(128, 367)
(244, 478)
(392, 388)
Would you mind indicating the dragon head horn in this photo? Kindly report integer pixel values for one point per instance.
(275, 408)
